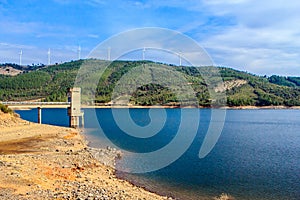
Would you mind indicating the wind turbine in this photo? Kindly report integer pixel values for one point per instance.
(180, 58)
(144, 50)
(49, 56)
(20, 54)
(79, 52)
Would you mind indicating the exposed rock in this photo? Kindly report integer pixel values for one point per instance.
(227, 85)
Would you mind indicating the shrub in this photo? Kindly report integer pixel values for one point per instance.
(5, 109)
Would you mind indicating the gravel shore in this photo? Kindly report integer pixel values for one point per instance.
(50, 162)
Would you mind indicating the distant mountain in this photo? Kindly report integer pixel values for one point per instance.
(50, 83)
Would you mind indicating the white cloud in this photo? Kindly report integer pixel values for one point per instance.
(8, 26)
(258, 36)
(20, 46)
(93, 36)
(264, 37)
(228, 2)
(257, 60)
(95, 2)
(264, 40)
(191, 26)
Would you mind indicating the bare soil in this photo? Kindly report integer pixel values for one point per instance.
(50, 162)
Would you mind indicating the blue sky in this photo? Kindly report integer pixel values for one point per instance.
(261, 37)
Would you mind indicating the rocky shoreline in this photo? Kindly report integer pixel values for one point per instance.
(49, 162)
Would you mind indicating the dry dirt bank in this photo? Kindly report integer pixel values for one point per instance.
(49, 162)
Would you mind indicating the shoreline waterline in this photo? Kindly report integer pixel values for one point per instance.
(249, 137)
(28, 107)
(53, 161)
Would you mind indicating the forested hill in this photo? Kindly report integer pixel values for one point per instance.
(51, 83)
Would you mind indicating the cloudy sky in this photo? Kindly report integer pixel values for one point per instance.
(261, 37)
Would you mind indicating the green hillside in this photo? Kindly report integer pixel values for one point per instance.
(51, 83)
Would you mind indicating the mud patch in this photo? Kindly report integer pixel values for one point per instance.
(24, 145)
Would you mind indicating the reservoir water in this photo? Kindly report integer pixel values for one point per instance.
(256, 157)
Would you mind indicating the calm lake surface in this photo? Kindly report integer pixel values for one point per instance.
(256, 157)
